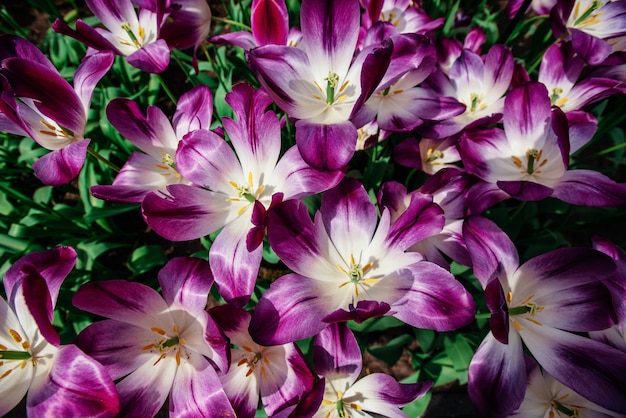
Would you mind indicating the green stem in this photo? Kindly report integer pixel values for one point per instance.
(181, 64)
(166, 89)
(231, 22)
(14, 355)
(514, 22)
(97, 155)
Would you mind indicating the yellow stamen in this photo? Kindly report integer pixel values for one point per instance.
(355, 406)
(23, 365)
(246, 348)
(250, 178)
(341, 98)
(2, 348)
(367, 266)
(158, 330)
(235, 185)
(242, 210)
(516, 161)
(5, 374)
(341, 269)
(25, 345)
(242, 362)
(327, 402)
(343, 86)
(178, 357)
(517, 325)
(148, 347)
(263, 372)
(261, 189)
(249, 372)
(525, 301)
(16, 337)
(161, 357)
(397, 91)
(509, 297)
(533, 321)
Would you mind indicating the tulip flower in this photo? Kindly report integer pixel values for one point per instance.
(349, 265)
(545, 303)
(159, 346)
(58, 380)
(278, 374)
(38, 102)
(529, 159)
(322, 85)
(234, 189)
(337, 359)
(155, 168)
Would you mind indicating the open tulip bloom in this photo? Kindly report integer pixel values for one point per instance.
(159, 346)
(60, 379)
(349, 265)
(38, 102)
(542, 305)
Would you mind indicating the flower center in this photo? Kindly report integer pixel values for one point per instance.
(432, 155)
(24, 356)
(558, 409)
(475, 103)
(526, 307)
(55, 131)
(167, 163)
(254, 359)
(166, 344)
(556, 98)
(137, 42)
(356, 274)
(332, 82)
(246, 193)
(588, 17)
(533, 162)
(341, 406)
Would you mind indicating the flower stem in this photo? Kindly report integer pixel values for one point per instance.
(98, 156)
(166, 89)
(514, 22)
(231, 22)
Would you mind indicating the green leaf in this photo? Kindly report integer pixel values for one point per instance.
(460, 352)
(145, 258)
(418, 406)
(375, 324)
(425, 338)
(390, 353)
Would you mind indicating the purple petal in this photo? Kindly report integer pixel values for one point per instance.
(77, 386)
(39, 304)
(197, 391)
(560, 67)
(132, 303)
(349, 216)
(421, 219)
(592, 369)
(85, 34)
(498, 70)
(582, 127)
(365, 309)
(194, 110)
(526, 110)
(270, 22)
(234, 267)
(330, 30)
(300, 179)
(87, 75)
(497, 376)
(53, 265)
(186, 212)
(152, 58)
(526, 190)
(435, 300)
(592, 49)
(290, 310)
(63, 165)
(373, 64)
(489, 248)
(326, 147)
(117, 346)
(590, 188)
(336, 351)
(53, 95)
(15, 46)
(186, 282)
(496, 302)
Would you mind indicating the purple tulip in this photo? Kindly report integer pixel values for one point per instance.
(545, 303)
(348, 264)
(38, 102)
(159, 346)
(60, 379)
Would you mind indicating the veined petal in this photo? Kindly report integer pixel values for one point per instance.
(186, 212)
(270, 22)
(144, 391)
(435, 299)
(63, 165)
(335, 350)
(296, 179)
(206, 159)
(330, 31)
(152, 58)
(290, 310)
(489, 248)
(117, 346)
(132, 303)
(422, 219)
(76, 386)
(185, 283)
(151, 133)
(113, 13)
(234, 267)
(382, 395)
(53, 265)
(326, 147)
(593, 369)
(37, 298)
(197, 391)
(497, 376)
(88, 73)
(16, 46)
(193, 111)
(527, 113)
(349, 217)
(498, 72)
(303, 246)
(590, 188)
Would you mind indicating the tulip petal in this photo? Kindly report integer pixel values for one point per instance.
(326, 147)
(186, 282)
(63, 165)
